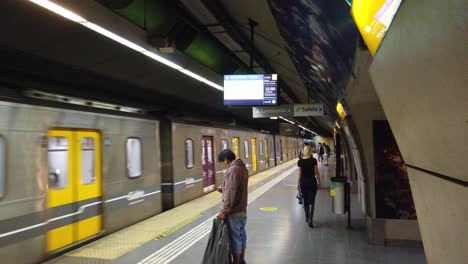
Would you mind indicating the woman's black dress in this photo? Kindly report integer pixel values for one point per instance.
(308, 184)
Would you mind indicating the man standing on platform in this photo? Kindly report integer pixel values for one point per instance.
(234, 202)
(320, 152)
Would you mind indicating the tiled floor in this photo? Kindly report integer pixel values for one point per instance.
(281, 236)
(284, 237)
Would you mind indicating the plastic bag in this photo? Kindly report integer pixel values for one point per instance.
(299, 196)
(218, 250)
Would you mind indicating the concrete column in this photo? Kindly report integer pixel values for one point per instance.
(419, 74)
(442, 209)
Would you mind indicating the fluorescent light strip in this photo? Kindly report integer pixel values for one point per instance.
(76, 18)
(287, 120)
(59, 10)
(308, 130)
(162, 60)
(113, 36)
(198, 77)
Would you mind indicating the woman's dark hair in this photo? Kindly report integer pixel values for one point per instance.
(226, 154)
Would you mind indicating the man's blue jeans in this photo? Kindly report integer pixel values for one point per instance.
(236, 226)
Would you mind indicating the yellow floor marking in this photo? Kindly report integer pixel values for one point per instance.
(292, 185)
(175, 228)
(269, 209)
(161, 225)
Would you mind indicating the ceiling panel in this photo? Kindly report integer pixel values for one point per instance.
(268, 40)
(227, 41)
(33, 31)
(131, 67)
(27, 27)
(84, 49)
(320, 37)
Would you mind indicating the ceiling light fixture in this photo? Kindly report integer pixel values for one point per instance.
(162, 60)
(59, 10)
(201, 79)
(287, 120)
(113, 36)
(308, 130)
(96, 28)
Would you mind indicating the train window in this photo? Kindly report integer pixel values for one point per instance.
(134, 158)
(87, 160)
(58, 162)
(189, 153)
(235, 146)
(203, 152)
(2, 166)
(209, 147)
(246, 148)
(224, 144)
(261, 148)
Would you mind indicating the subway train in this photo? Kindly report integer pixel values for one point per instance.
(69, 176)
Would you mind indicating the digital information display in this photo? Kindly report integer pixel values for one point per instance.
(251, 89)
(373, 18)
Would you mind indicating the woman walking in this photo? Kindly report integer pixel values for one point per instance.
(308, 181)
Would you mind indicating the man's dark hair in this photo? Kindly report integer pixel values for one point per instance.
(226, 154)
(305, 143)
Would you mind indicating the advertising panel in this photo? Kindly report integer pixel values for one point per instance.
(373, 18)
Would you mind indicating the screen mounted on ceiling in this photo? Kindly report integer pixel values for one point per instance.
(251, 89)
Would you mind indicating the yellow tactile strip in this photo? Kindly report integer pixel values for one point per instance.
(159, 226)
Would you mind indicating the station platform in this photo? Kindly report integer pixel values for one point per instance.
(276, 230)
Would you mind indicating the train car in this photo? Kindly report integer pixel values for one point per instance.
(68, 176)
(195, 170)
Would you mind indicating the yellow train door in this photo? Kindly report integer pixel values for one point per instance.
(60, 194)
(254, 154)
(267, 155)
(235, 146)
(74, 189)
(89, 184)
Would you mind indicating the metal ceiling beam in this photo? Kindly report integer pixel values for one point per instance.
(228, 23)
(211, 12)
(225, 20)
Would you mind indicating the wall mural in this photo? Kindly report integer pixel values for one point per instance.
(393, 198)
(320, 37)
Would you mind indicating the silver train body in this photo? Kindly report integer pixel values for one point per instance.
(174, 171)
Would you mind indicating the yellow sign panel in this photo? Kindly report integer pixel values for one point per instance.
(373, 18)
(340, 110)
